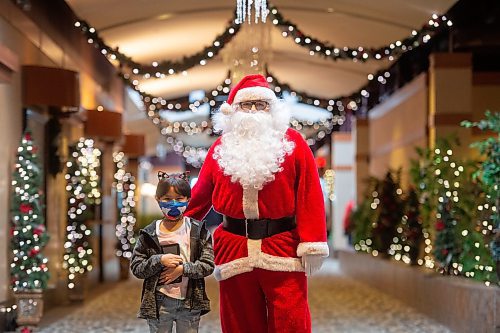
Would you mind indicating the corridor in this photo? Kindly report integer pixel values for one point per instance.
(338, 304)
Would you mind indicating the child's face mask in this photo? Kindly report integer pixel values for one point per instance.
(172, 209)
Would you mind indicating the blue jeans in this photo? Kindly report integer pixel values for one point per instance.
(172, 310)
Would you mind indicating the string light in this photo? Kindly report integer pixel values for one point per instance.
(158, 69)
(163, 68)
(82, 186)
(125, 188)
(360, 53)
(330, 183)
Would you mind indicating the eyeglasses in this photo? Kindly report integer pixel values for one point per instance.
(259, 105)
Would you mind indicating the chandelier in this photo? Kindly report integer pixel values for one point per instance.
(244, 10)
(249, 52)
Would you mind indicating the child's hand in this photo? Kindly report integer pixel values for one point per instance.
(171, 260)
(170, 274)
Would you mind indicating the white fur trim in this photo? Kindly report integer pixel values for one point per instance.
(251, 202)
(254, 247)
(318, 248)
(280, 264)
(254, 94)
(232, 268)
(257, 259)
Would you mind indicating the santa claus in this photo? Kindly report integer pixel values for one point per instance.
(261, 176)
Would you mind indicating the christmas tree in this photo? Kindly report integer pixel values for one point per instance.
(29, 269)
(389, 217)
(83, 193)
(413, 227)
(489, 174)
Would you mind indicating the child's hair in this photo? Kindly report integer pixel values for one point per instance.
(179, 181)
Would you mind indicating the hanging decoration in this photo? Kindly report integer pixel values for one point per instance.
(244, 11)
(160, 68)
(435, 25)
(126, 199)
(28, 269)
(163, 68)
(82, 185)
(249, 52)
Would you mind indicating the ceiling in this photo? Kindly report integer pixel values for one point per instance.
(156, 30)
(153, 30)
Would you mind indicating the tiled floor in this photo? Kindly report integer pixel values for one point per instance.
(338, 304)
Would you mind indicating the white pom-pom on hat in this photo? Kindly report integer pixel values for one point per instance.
(226, 109)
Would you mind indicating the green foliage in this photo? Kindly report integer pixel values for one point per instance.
(446, 247)
(29, 266)
(412, 228)
(364, 216)
(475, 259)
(489, 171)
(390, 215)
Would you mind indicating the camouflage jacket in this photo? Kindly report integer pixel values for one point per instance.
(145, 264)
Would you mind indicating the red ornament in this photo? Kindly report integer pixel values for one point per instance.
(33, 252)
(26, 330)
(34, 150)
(25, 208)
(444, 252)
(27, 136)
(439, 225)
(43, 266)
(12, 231)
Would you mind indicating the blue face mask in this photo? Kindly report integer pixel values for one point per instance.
(172, 208)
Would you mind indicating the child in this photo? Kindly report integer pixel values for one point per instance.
(174, 285)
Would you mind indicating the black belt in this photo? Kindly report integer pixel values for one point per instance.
(258, 228)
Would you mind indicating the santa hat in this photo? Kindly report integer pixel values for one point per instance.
(250, 88)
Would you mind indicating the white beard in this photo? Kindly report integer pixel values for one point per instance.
(253, 145)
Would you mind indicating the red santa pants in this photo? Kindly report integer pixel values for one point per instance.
(263, 301)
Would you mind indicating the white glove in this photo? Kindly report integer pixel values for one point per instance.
(311, 263)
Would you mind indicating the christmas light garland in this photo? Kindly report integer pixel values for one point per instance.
(82, 186)
(125, 188)
(435, 24)
(28, 269)
(164, 68)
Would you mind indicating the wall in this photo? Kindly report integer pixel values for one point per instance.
(35, 43)
(396, 127)
(10, 135)
(345, 184)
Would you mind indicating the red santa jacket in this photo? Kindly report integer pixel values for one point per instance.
(295, 191)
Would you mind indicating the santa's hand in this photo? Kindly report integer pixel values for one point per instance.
(311, 263)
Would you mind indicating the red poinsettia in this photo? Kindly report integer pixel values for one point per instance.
(26, 329)
(439, 225)
(39, 230)
(25, 208)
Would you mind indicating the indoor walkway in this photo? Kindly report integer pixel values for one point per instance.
(338, 304)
